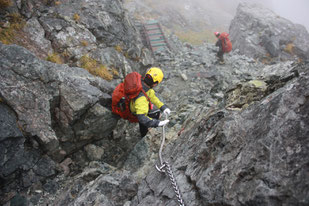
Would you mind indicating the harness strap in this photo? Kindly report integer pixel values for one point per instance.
(150, 104)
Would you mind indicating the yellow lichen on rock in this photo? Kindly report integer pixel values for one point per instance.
(95, 68)
(55, 58)
(5, 3)
(259, 84)
(10, 33)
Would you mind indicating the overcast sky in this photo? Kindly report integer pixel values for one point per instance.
(295, 10)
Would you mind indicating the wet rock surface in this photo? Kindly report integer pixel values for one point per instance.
(235, 158)
(238, 133)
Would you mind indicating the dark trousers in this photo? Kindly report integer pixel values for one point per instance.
(142, 128)
(220, 56)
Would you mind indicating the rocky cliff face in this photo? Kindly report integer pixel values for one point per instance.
(239, 158)
(73, 29)
(258, 32)
(238, 132)
(59, 109)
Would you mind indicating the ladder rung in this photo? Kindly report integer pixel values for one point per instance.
(157, 41)
(153, 34)
(156, 45)
(152, 29)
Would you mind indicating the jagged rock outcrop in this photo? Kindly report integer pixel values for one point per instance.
(72, 29)
(82, 27)
(257, 156)
(58, 111)
(215, 152)
(62, 112)
(258, 32)
(22, 164)
(237, 132)
(52, 100)
(98, 184)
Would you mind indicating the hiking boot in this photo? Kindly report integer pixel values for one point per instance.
(221, 62)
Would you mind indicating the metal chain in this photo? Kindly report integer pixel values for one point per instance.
(168, 170)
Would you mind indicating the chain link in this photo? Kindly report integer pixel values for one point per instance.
(166, 168)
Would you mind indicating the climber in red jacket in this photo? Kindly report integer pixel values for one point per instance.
(134, 98)
(224, 44)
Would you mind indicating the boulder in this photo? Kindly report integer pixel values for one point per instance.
(54, 103)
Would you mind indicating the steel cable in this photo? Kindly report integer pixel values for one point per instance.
(168, 169)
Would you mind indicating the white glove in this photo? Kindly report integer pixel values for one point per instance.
(167, 111)
(162, 123)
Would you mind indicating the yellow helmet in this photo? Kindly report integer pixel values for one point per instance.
(156, 74)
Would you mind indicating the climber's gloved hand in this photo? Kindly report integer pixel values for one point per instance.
(167, 111)
(163, 123)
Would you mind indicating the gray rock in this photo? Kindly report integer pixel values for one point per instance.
(45, 167)
(11, 156)
(250, 157)
(113, 189)
(19, 200)
(256, 31)
(255, 155)
(8, 126)
(52, 95)
(138, 156)
(37, 36)
(94, 152)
